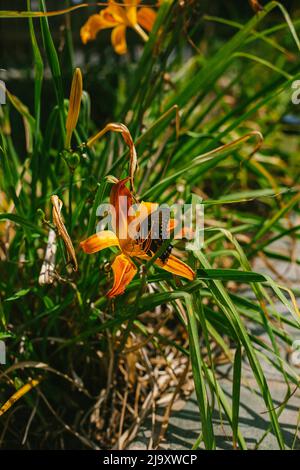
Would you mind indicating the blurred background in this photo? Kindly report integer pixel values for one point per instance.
(103, 70)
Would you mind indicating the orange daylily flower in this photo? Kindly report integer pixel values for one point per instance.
(123, 267)
(119, 17)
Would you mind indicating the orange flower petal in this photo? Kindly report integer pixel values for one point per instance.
(121, 198)
(99, 241)
(131, 15)
(111, 17)
(185, 232)
(118, 12)
(149, 206)
(131, 2)
(119, 189)
(176, 266)
(172, 225)
(118, 39)
(93, 25)
(124, 271)
(146, 18)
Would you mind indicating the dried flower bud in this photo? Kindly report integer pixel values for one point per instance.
(62, 231)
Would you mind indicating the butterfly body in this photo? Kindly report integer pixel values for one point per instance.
(157, 233)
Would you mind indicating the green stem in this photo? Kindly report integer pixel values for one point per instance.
(71, 180)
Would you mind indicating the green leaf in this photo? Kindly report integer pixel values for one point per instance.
(18, 295)
(230, 275)
(23, 222)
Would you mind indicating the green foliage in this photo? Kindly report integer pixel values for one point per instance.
(227, 89)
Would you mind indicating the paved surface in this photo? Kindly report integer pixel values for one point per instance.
(184, 426)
